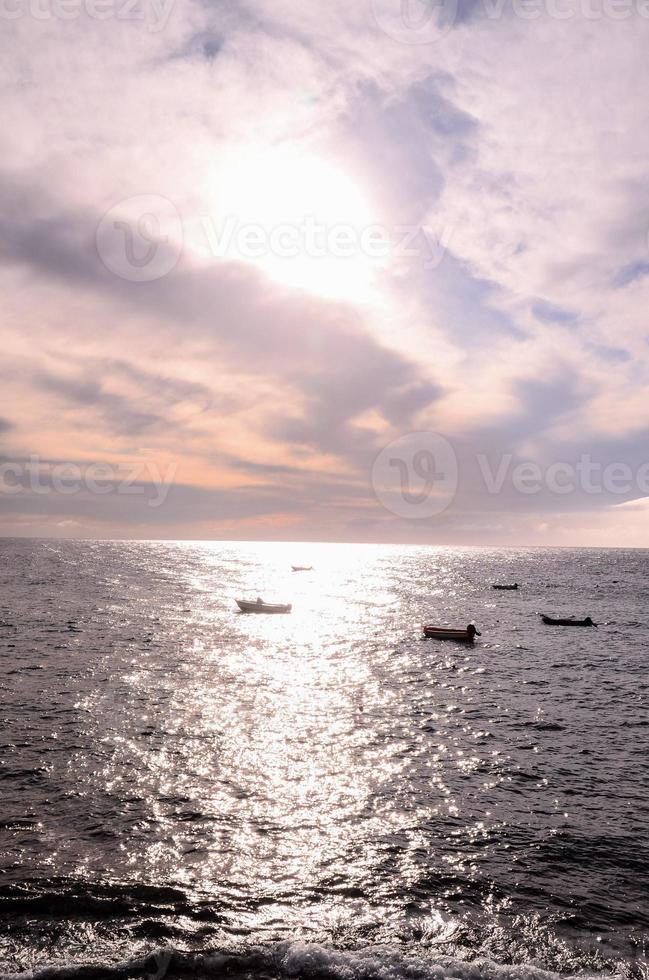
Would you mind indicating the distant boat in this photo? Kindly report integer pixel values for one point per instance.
(302, 568)
(442, 633)
(262, 607)
(506, 588)
(549, 621)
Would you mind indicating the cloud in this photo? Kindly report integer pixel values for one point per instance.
(323, 349)
(516, 325)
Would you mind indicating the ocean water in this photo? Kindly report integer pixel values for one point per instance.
(187, 791)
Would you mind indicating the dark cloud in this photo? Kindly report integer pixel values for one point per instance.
(540, 405)
(118, 414)
(143, 502)
(183, 505)
(542, 402)
(205, 45)
(413, 136)
(614, 355)
(321, 349)
(549, 313)
(402, 404)
(262, 469)
(90, 386)
(631, 273)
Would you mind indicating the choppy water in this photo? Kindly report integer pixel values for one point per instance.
(322, 794)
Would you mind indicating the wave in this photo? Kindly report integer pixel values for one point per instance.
(58, 897)
(291, 961)
(41, 921)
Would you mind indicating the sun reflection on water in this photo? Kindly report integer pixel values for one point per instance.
(328, 758)
(327, 772)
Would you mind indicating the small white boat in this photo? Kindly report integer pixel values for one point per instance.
(302, 568)
(259, 606)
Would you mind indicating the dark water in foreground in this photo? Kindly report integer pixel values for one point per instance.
(322, 794)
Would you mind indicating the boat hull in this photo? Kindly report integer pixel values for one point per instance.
(460, 636)
(263, 608)
(549, 621)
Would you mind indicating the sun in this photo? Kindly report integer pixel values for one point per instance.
(299, 218)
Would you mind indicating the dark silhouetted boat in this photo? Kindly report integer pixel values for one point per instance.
(442, 633)
(260, 606)
(549, 621)
(506, 588)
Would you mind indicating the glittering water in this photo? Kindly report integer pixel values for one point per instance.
(323, 793)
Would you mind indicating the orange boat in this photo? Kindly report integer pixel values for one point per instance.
(467, 635)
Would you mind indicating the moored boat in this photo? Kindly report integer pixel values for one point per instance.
(549, 621)
(260, 606)
(460, 636)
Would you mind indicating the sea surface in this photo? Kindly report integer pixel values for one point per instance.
(188, 791)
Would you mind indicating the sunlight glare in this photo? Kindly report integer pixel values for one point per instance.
(297, 217)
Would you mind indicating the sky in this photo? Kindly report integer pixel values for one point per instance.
(372, 271)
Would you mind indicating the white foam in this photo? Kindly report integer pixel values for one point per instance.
(299, 960)
(307, 959)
